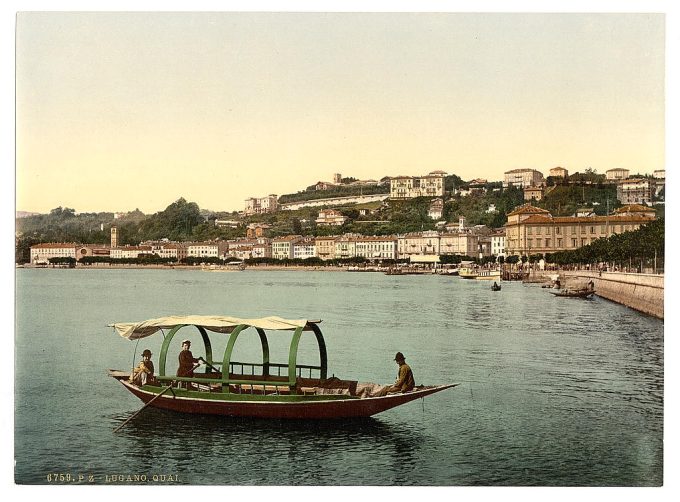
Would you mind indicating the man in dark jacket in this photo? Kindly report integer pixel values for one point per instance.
(187, 361)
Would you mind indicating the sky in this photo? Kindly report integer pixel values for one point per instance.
(123, 110)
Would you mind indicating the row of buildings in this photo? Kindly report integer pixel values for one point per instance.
(529, 230)
(636, 190)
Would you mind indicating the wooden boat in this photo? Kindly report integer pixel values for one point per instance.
(495, 287)
(573, 293)
(264, 389)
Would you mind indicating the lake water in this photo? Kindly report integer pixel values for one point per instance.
(553, 391)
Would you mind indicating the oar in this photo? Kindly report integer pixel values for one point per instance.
(142, 408)
(209, 365)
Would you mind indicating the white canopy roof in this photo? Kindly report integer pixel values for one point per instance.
(219, 324)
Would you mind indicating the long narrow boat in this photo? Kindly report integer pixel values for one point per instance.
(574, 293)
(263, 389)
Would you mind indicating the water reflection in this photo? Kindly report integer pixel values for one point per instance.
(279, 450)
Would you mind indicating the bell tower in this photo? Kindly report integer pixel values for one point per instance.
(114, 236)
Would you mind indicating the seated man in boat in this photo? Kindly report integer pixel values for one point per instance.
(405, 381)
(143, 373)
(187, 361)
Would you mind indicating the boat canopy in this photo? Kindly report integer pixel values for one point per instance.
(218, 324)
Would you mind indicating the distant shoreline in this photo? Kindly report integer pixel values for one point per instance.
(193, 267)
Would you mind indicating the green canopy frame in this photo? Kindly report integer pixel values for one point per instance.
(226, 380)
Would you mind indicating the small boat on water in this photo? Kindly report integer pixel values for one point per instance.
(573, 293)
(262, 389)
(481, 274)
(495, 287)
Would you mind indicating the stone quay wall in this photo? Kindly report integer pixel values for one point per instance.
(643, 292)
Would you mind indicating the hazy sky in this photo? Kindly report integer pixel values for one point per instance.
(117, 111)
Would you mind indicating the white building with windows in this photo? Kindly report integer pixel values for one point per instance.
(498, 243)
(331, 217)
(268, 204)
(408, 187)
(617, 174)
(283, 247)
(203, 250)
(418, 243)
(130, 252)
(377, 247)
(41, 253)
(304, 248)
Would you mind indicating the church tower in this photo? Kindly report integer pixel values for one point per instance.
(114, 236)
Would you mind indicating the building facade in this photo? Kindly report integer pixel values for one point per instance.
(130, 252)
(531, 230)
(616, 174)
(408, 187)
(523, 178)
(325, 247)
(559, 172)
(203, 250)
(377, 247)
(635, 190)
(331, 217)
(261, 205)
(41, 253)
(282, 247)
(418, 243)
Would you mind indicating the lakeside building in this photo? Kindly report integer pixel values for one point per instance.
(331, 217)
(616, 174)
(93, 250)
(458, 243)
(325, 247)
(418, 244)
(346, 246)
(282, 247)
(408, 187)
(636, 190)
(383, 247)
(203, 250)
(41, 253)
(304, 248)
(263, 248)
(498, 243)
(659, 174)
(531, 230)
(122, 252)
(261, 205)
(523, 178)
(559, 172)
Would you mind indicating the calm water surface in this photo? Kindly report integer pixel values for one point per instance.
(554, 391)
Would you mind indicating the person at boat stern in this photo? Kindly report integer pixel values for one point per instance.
(187, 361)
(144, 371)
(405, 381)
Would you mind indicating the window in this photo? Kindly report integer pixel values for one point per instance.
(558, 230)
(573, 243)
(573, 229)
(539, 230)
(592, 229)
(583, 229)
(530, 230)
(559, 243)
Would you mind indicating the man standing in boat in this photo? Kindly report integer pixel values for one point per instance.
(405, 381)
(187, 361)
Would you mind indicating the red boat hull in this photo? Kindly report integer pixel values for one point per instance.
(303, 409)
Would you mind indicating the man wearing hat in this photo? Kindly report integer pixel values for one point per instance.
(187, 361)
(143, 373)
(405, 381)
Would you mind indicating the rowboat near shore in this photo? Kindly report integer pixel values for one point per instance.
(257, 389)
